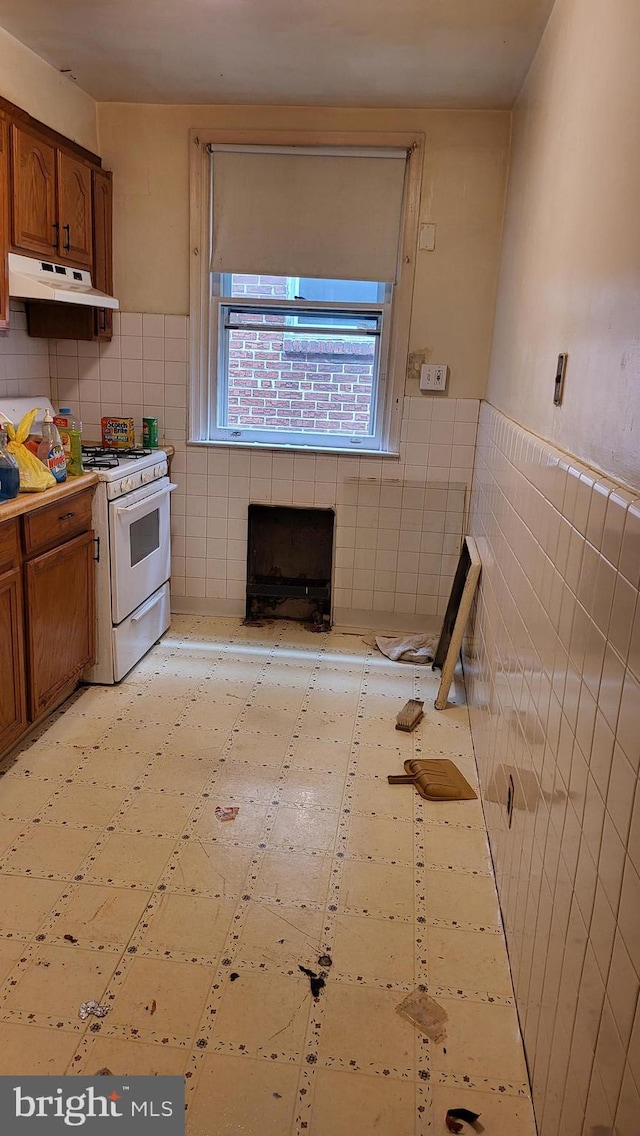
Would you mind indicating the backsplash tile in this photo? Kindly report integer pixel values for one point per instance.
(553, 675)
(24, 362)
(399, 522)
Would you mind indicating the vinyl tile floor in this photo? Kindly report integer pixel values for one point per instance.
(119, 882)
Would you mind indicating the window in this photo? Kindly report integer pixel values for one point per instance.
(304, 357)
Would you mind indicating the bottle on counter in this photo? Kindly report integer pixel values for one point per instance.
(50, 450)
(70, 430)
(150, 433)
(9, 471)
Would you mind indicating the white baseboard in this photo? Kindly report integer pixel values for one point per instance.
(345, 619)
(350, 619)
(193, 605)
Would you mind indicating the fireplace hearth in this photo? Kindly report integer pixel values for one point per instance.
(289, 562)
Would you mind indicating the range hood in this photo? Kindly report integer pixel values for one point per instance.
(31, 279)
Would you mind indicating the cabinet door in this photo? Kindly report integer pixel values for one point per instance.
(13, 703)
(102, 248)
(60, 619)
(4, 221)
(74, 210)
(34, 224)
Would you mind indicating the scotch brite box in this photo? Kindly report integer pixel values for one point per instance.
(117, 433)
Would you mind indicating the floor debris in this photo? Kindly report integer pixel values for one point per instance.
(325, 960)
(229, 812)
(456, 1115)
(408, 648)
(234, 976)
(316, 981)
(70, 939)
(92, 1007)
(424, 1013)
(104, 1072)
(412, 712)
(152, 1008)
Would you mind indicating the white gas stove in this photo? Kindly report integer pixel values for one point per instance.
(124, 470)
(131, 522)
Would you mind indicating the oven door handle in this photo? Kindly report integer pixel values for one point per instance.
(146, 501)
(146, 608)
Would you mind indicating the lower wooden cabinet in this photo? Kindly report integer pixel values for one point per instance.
(47, 610)
(60, 619)
(13, 698)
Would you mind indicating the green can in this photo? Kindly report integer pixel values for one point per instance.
(150, 433)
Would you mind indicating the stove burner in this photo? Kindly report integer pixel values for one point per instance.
(135, 452)
(112, 457)
(97, 461)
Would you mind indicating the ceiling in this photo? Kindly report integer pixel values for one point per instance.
(395, 53)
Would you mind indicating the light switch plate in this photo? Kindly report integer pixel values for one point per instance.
(427, 239)
(433, 376)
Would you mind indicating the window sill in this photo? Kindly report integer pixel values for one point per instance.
(352, 451)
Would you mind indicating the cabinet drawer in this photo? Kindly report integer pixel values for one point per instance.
(9, 545)
(54, 524)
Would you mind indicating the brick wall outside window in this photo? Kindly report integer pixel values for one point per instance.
(280, 380)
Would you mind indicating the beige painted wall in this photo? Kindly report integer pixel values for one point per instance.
(463, 192)
(570, 279)
(38, 88)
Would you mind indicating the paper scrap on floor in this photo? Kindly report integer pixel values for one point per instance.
(407, 648)
(425, 1013)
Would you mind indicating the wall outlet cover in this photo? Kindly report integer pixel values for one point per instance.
(433, 376)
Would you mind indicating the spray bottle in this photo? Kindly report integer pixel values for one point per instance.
(70, 430)
(50, 450)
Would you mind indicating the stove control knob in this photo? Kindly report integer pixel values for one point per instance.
(146, 475)
(160, 470)
(126, 484)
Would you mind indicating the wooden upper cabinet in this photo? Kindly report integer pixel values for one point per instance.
(102, 248)
(102, 223)
(34, 221)
(55, 205)
(4, 221)
(51, 200)
(74, 210)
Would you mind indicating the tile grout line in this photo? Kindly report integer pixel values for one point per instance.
(308, 1072)
(206, 1029)
(423, 1086)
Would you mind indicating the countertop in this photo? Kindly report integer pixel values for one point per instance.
(27, 502)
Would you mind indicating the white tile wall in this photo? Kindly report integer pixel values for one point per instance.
(24, 362)
(553, 673)
(399, 522)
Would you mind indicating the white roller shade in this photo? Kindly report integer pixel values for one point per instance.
(335, 216)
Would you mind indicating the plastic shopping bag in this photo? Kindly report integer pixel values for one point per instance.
(34, 475)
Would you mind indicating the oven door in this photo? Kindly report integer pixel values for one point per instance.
(140, 546)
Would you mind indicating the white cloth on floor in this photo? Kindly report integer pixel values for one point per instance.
(408, 648)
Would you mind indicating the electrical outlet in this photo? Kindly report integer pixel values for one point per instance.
(433, 376)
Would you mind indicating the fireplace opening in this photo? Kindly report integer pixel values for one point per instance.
(289, 558)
